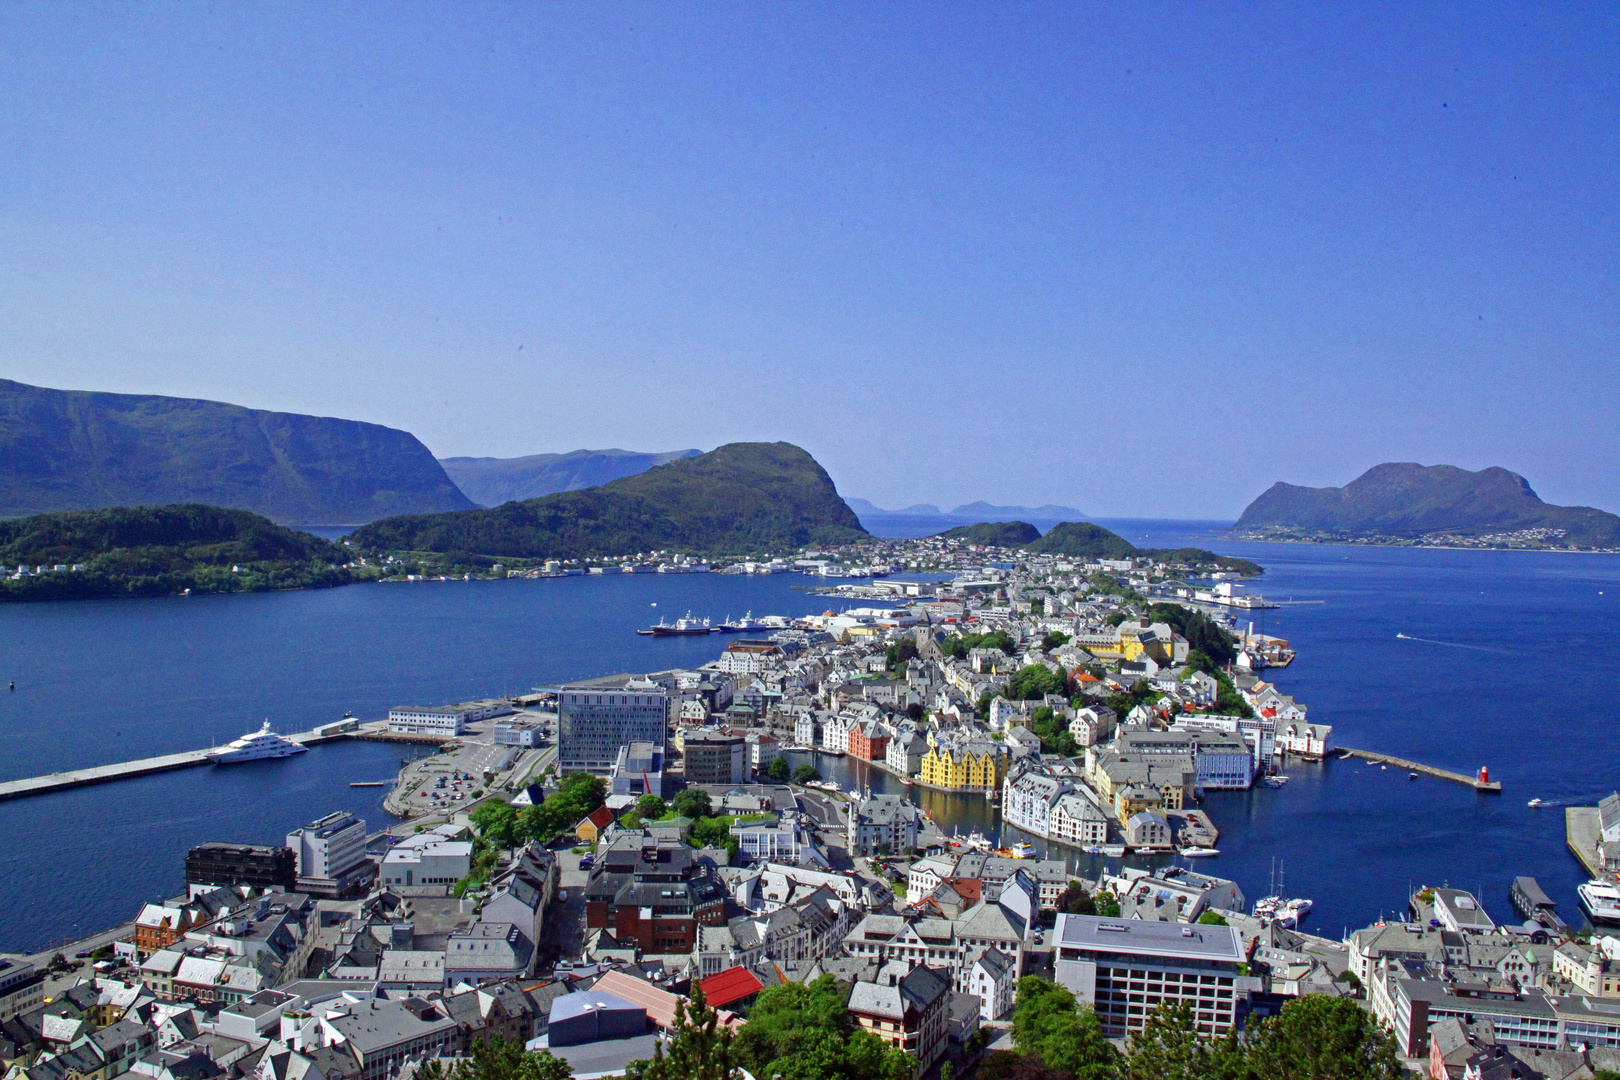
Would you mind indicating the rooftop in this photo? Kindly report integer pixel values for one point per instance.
(1171, 940)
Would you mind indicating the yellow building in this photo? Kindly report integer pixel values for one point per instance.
(968, 769)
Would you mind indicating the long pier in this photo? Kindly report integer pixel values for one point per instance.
(102, 774)
(1492, 786)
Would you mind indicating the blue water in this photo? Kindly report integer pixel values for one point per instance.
(1515, 675)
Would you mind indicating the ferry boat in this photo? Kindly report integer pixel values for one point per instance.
(1021, 850)
(1601, 900)
(263, 743)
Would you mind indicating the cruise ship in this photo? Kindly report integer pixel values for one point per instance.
(263, 743)
(1601, 900)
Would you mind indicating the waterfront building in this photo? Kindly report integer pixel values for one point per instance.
(905, 752)
(746, 657)
(715, 757)
(1593, 967)
(835, 733)
(597, 717)
(216, 864)
(22, 987)
(331, 854)
(967, 767)
(1140, 782)
(1027, 798)
(1127, 969)
(1305, 739)
(908, 1008)
(762, 749)
(445, 721)
(1077, 818)
(1145, 829)
(869, 740)
(518, 732)
(888, 821)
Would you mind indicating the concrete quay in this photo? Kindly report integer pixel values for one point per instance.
(1491, 786)
(102, 774)
(1582, 828)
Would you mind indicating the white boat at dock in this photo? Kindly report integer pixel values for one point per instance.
(1601, 900)
(255, 746)
(1199, 852)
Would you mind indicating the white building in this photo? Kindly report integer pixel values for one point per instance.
(1092, 725)
(1027, 798)
(1305, 739)
(436, 858)
(835, 734)
(1077, 818)
(329, 852)
(993, 980)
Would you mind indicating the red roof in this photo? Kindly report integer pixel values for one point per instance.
(732, 984)
(601, 817)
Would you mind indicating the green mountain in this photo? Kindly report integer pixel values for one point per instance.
(1083, 540)
(491, 481)
(742, 497)
(159, 551)
(1009, 534)
(76, 450)
(1403, 500)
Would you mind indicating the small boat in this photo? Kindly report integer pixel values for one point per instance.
(1537, 803)
(1276, 781)
(853, 794)
(1113, 850)
(1384, 767)
(1411, 776)
(1022, 850)
(1199, 852)
(906, 780)
(1092, 849)
(368, 783)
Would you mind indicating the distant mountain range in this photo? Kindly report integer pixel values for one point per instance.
(76, 450)
(739, 498)
(490, 481)
(1406, 501)
(980, 510)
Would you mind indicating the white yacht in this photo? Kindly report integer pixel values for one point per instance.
(263, 743)
(1601, 900)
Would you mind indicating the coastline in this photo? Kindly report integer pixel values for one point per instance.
(1350, 542)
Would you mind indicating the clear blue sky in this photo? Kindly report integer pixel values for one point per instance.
(1141, 259)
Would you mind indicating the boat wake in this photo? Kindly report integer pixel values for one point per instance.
(1453, 644)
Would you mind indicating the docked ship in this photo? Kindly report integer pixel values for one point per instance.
(682, 627)
(263, 743)
(745, 625)
(1601, 900)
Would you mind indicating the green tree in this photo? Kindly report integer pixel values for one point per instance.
(779, 769)
(1167, 1048)
(1054, 639)
(498, 1058)
(1034, 682)
(803, 1032)
(1107, 904)
(897, 653)
(650, 806)
(699, 1048)
(805, 773)
(1050, 1026)
(497, 823)
(1317, 1037)
(631, 820)
(1076, 901)
(693, 803)
(1212, 918)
